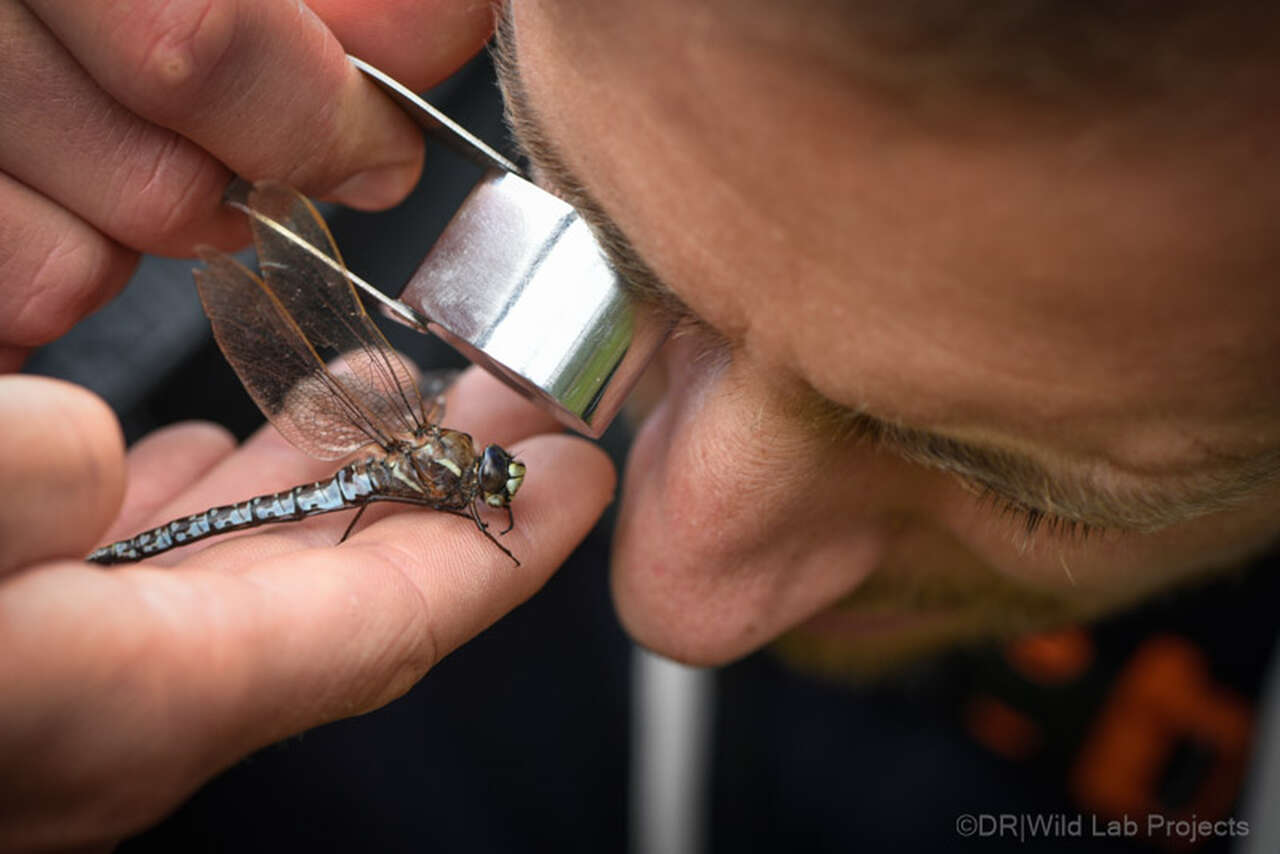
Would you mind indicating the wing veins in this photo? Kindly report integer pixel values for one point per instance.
(339, 300)
(273, 358)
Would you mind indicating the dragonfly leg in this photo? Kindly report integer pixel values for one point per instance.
(354, 519)
(484, 529)
(511, 522)
(470, 513)
(506, 551)
(365, 506)
(475, 517)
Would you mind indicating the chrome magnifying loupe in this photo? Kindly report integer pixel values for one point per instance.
(518, 284)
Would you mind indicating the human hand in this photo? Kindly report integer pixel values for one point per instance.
(125, 688)
(121, 124)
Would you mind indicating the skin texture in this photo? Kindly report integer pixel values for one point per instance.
(129, 687)
(1094, 292)
(122, 122)
(126, 688)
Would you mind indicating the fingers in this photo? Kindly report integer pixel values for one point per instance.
(120, 124)
(54, 266)
(351, 628)
(62, 464)
(58, 130)
(418, 42)
(264, 87)
(11, 358)
(174, 675)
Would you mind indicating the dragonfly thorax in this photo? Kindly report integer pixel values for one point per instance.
(446, 462)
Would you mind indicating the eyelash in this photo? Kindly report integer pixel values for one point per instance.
(1035, 521)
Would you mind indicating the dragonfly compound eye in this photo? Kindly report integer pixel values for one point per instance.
(500, 476)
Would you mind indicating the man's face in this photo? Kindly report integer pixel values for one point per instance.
(1059, 332)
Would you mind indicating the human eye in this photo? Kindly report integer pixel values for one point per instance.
(966, 466)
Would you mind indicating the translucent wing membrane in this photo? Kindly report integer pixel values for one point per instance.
(279, 331)
(281, 372)
(303, 270)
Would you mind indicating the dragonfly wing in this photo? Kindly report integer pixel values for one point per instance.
(276, 365)
(310, 283)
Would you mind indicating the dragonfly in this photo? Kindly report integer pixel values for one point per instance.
(304, 348)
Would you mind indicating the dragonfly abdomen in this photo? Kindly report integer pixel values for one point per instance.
(350, 487)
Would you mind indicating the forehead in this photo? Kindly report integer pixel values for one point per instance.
(1107, 280)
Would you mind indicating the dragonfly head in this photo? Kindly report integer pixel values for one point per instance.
(500, 476)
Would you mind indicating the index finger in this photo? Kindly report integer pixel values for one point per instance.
(264, 86)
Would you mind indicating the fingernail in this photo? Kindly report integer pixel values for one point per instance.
(378, 188)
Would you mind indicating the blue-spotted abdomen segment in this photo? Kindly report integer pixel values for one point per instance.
(350, 487)
(271, 507)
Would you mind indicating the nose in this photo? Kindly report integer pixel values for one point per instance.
(764, 520)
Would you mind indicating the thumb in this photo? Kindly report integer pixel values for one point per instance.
(418, 42)
(61, 466)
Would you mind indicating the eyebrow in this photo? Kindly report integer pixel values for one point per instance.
(1012, 477)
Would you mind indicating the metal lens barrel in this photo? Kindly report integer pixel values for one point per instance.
(518, 284)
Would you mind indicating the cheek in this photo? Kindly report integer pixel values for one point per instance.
(736, 525)
(1105, 570)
